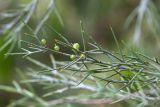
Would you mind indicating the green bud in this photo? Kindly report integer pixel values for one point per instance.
(43, 41)
(56, 48)
(76, 46)
(82, 56)
(72, 57)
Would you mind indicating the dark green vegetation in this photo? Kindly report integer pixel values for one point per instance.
(76, 53)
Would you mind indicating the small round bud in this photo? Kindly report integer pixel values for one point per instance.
(56, 48)
(82, 56)
(43, 41)
(76, 46)
(72, 57)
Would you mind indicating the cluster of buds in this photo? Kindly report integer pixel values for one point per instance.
(75, 46)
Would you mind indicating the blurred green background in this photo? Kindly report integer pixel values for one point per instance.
(97, 17)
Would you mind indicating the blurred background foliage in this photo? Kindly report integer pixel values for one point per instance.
(97, 16)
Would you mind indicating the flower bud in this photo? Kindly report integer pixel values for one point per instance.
(76, 46)
(82, 56)
(56, 48)
(43, 41)
(72, 57)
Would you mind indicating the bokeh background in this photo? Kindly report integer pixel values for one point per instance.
(97, 17)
